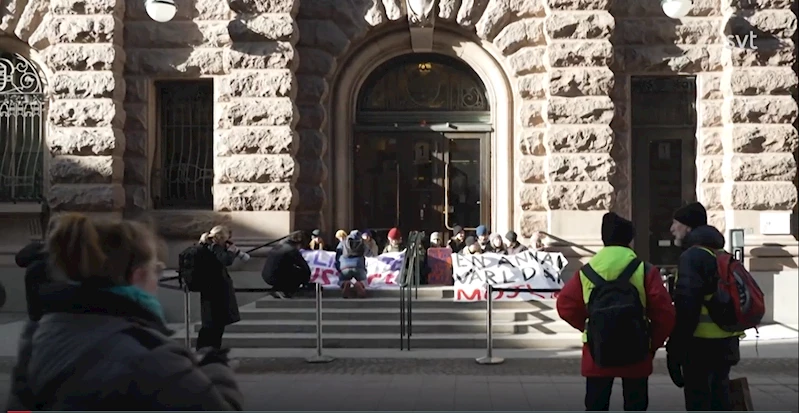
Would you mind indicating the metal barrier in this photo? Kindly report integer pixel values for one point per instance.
(408, 283)
(319, 357)
(489, 358)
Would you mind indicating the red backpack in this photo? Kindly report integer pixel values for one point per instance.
(738, 303)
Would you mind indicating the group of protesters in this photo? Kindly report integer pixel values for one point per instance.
(96, 326)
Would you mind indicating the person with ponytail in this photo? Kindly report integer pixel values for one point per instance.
(102, 341)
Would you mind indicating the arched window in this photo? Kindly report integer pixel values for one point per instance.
(422, 83)
(22, 106)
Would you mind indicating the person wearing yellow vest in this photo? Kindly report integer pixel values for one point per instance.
(700, 353)
(618, 263)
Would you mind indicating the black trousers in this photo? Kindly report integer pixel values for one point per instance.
(210, 337)
(599, 389)
(707, 387)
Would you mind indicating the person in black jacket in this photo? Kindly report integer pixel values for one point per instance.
(102, 343)
(285, 269)
(698, 360)
(218, 305)
(33, 258)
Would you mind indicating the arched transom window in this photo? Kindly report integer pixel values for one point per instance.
(422, 82)
(22, 106)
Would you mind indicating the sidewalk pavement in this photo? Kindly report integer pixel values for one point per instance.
(308, 392)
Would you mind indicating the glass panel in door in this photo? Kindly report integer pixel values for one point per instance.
(665, 196)
(377, 182)
(464, 182)
(421, 183)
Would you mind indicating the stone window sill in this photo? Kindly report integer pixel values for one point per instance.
(20, 208)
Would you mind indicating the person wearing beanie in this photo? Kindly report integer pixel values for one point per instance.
(495, 244)
(317, 243)
(394, 241)
(616, 287)
(699, 354)
(513, 246)
(436, 241)
(471, 247)
(483, 237)
(351, 265)
(456, 243)
(371, 245)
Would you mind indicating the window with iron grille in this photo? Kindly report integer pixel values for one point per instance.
(22, 107)
(184, 172)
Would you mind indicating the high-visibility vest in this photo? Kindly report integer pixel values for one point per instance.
(609, 262)
(707, 328)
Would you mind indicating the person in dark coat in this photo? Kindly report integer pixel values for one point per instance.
(514, 246)
(572, 303)
(700, 354)
(102, 343)
(218, 305)
(33, 258)
(285, 269)
(457, 242)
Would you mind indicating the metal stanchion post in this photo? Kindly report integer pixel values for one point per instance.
(489, 357)
(187, 315)
(319, 357)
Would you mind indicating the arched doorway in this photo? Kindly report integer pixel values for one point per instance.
(22, 105)
(422, 146)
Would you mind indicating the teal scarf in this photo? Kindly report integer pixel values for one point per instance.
(141, 297)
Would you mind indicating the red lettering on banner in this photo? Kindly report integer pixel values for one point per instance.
(512, 294)
(475, 295)
(322, 274)
(371, 278)
(390, 277)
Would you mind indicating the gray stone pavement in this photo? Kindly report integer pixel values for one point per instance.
(409, 392)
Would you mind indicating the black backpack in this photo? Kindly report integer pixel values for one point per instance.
(617, 327)
(197, 265)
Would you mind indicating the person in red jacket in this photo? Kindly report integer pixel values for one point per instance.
(610, 262)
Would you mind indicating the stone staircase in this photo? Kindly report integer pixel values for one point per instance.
(374, 323)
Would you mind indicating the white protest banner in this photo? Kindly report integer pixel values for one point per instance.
(381, 271)
(527, 270)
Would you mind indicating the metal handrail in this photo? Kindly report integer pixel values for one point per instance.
(409, 281)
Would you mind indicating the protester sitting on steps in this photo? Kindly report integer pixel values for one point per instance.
(285, 269)
(625, 314)
(394, 241)
(351, 265)
(102, 343)
(340, 235)
(472, 247)
(496, 244)
(456, 243)
(371, 245)
(513, 247)
(317, 242)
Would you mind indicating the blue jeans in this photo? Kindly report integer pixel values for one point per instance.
(348, 274)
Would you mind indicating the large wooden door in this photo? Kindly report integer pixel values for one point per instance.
(663, 161)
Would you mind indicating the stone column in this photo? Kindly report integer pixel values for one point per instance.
(578, 117)
(759, 137)
(710, 152)
(255, 170)
(86, 113)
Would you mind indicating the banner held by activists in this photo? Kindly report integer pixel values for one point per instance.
(535, 270)
(381, 271)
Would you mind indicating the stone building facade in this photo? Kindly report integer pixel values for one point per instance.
(284, 74)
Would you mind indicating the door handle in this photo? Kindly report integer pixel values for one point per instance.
(446, 196)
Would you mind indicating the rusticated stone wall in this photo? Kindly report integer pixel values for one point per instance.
(81, 42)
(760, 108)
(247, 48)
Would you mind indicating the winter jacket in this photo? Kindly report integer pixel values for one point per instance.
(284, 265)
(572, 309)
(33, 258)
(391, 248)
(456, 245)
(372, 250)
(218, 304)
(350, 254)
(697, 275)
(97, 350)
(515, 248)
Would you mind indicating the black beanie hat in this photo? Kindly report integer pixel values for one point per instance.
(692, 215)
(457, 229)
(511, 236)
(616, 231)
(470, 240)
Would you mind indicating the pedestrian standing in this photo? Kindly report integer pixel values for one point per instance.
(625, 314)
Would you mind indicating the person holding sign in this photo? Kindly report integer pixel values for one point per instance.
(625, 314)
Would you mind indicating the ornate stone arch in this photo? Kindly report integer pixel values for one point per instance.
(354, 71)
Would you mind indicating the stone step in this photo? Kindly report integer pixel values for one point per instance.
(384, 341)
(393, 302)
(393, 314)
(393, 327)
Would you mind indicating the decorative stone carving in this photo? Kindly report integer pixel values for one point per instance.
(422, 21)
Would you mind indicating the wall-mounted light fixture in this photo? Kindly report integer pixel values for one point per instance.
(676, 9)
(161, 11)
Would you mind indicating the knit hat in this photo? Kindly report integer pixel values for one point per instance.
(616, 231)
(435, 236)
(470, 240)
(341, 234)
(394, 233)
(457, 229)
(481, 231)
(511, 236)
(355, 233)
(692, 215)
(316, 232)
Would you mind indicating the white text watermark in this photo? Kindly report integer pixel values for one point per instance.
(740, 41)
